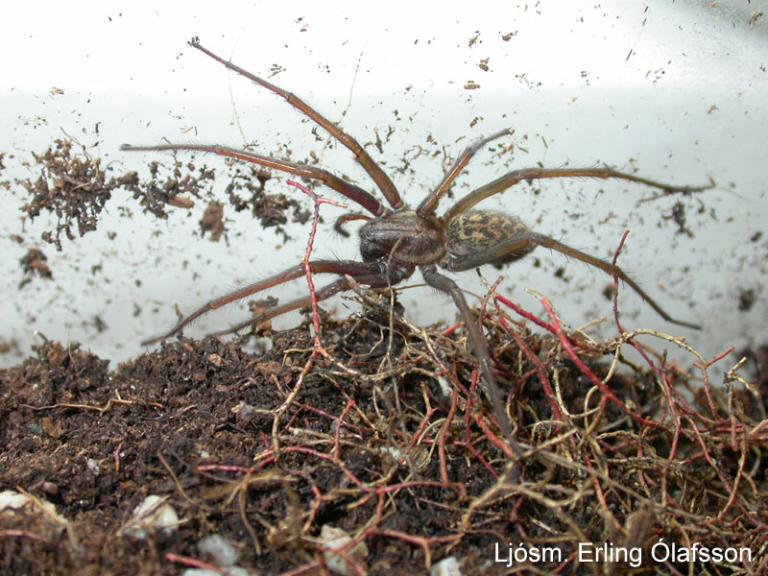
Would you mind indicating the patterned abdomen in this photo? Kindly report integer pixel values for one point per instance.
(485, 236)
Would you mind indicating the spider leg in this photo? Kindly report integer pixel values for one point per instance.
(351, 267)
(429, 204)
(377, 280)
(354, 193)
(480, 349)
(321, 294)
(527, 241)
(378, 175)
(512, 178)
(608, 268)
(338, 226)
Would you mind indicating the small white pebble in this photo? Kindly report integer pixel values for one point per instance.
(334, 538)
(12, 500)
(446, 567)
(93, 466)
(445, 387)
(393, 451)
(14, 503)
(228, 571)
(257, 346)
(221, 550)
(151, 515)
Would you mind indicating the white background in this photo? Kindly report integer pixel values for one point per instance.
(676, 91)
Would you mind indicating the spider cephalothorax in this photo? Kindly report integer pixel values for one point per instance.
(404, 237)
(396, 240)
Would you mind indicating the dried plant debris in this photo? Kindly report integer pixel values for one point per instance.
(34, 263)
(747, 299)
(8, 346)
(382, 458)
(757, 361)
(72, 186)
(171, 186)
(213, 221)
(679, 218)
(246, 191)
(75, 187)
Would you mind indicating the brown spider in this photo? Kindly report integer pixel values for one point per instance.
(396, 240)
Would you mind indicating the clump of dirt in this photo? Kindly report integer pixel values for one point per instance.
(34, 263)
(75, 188)
(384, 439)
(164, 189)
(72, 186)
(747, 299)
(213, 221)
(246, 191)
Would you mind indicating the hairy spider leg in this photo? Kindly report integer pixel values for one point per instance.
(378, 175)
(354, 193)
(351, 267)
(378, 280)
(527, 240)
(528, 174)
(429, 204)
(480, 348)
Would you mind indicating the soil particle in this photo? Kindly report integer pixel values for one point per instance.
(34, 263)
(246, 191)
(213, 221)
(72, 186)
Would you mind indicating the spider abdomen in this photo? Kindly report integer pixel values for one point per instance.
(480, 237)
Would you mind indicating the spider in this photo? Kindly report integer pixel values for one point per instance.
(395, 240)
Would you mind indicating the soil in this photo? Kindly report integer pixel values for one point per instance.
(371, 451)
(386, 439)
